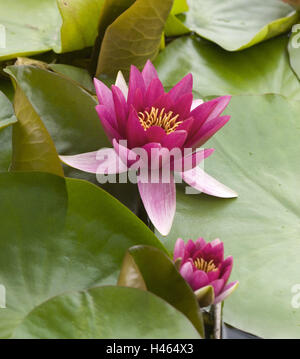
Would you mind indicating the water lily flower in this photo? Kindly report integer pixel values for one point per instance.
(146, 117)
(203, 266)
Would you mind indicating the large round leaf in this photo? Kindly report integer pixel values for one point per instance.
(293, 47)
(59, 235)
(238, 24)
(7, 116)
(261, 69)
(106, 312)
(257, 154)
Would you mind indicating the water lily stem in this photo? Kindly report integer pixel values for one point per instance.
(217, 315)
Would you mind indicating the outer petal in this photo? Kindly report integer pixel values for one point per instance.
(203, 182)
(159, 200)
(105, 97)
(136, 81)
(103, 161)
(121, 83)
(192, 160)
(149, 73)
(208, 130)
(121, 108)
(187, 272)
(200, 280)
(183, 87)
(127, 156)
(179, 249)
(218, 286)
(226, 269)
(228, 289)
(106, 120)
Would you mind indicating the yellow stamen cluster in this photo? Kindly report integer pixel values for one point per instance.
(201, 264)
(163, 119)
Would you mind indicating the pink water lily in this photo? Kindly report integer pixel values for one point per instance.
(203, 266)
(147, 117)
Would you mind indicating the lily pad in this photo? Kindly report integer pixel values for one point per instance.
(239, 24)
(7, 116)
(57, 236)
(257, 154)
(261, 69)
(99, 313)
(35, 26)
(294, 49)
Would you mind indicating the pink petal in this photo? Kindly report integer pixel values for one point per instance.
(136, 81)
(107, 122)
(127, 156)
(121, 83)
(226, 268)
(218, 286)
(203, 182)
(138, 101)
(228, 289)
(207, 130)
(164, 101)
(159, 200)
(183, 87)
(175, 139)
(200, 279)
(213, 275)
(121, 109)
(187, 272)
(200, 243)
(149, 73)
(136, 134)
(182, 106)
(192, 160)
(186, 125)
(155, 134)
(105, 97)
(102, 161)
(179, 249)
(154, 91)
(190, 248)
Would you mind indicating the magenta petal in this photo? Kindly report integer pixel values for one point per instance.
(208, 130)
(228, 289)
(164, 101)
(200, 243)
(106, 121)
(190, 247)
(203, 182)
(192, 160)
(149, 73)
(179, 249)
(186, 125)
(102, 161)
(138, 101)
(127, 156)
(136, 81)
(218, 286)
(182, 106)
(221, 103)
(154, 91)
(183, 87)
(159, 200)
(155, 134)
(175, 139)
(213, 275)
(200, 280)
(226, 269)
(105, 97)
(187, 272)
(121, 109)
(136, 134)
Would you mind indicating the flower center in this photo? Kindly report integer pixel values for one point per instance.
(201, 264)
(166, 120)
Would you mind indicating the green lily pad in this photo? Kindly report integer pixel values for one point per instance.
(68, 112)
(57, 236)
(35, 26)
(106, 312)
(261, 69)
(148, 268)
(239, 24)
(257, 154)
(134, 37)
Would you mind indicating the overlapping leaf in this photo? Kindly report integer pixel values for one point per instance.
(57, 236)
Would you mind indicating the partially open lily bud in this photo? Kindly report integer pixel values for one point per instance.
(203, 266)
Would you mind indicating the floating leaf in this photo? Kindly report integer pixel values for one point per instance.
(261, 69)
(238, 24)
(257, 154)
(133, 37)
(160, 277)
(57, 236)
(293, 47)
(7, 116)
